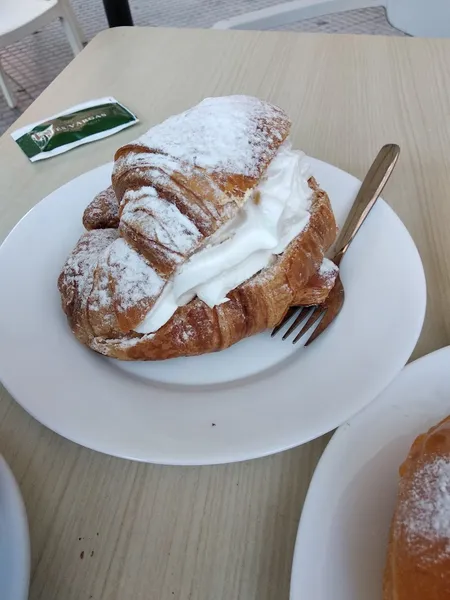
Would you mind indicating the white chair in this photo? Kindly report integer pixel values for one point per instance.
(19, 18)
(427, 18)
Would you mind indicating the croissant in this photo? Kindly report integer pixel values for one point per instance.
(103, 211)
(418, 561)
(211, 230)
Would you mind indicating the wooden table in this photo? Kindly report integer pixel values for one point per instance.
(109, 529)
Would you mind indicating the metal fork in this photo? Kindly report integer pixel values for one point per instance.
(368, 194)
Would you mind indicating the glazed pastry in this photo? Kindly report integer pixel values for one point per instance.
(418, 561)
(221, 230)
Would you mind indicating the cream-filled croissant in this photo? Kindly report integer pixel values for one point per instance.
(212, 229)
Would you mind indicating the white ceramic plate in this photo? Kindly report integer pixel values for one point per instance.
(14, 539)
(256, 398)
(343, 533)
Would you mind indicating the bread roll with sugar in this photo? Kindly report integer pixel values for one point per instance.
(221, 229)
(418, 561)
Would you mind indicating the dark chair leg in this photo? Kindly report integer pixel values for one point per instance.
(118, 13)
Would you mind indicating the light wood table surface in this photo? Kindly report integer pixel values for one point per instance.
(227, 532)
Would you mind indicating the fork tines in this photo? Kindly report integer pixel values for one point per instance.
(311, 313)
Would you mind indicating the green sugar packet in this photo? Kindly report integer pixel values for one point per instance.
(81, 124)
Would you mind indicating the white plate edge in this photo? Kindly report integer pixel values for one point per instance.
(341, 432)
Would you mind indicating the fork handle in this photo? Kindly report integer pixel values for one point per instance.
(368, 194)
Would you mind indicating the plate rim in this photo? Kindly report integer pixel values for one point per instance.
(222, 456)
(20, 519)
(336, 440)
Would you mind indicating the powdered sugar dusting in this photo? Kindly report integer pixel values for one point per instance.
(266, 275)
(103, 211)
(146, 190)
(101, 294)
(105, 201)
(135, 280)
(79, 268)
(204, 212)
(219, 134)
(158, 161)
(328, 270)
(159, 220)
(425, 514)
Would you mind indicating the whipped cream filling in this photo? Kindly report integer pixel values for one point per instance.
(274, 214)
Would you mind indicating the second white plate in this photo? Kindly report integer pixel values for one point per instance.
(258, 397)
(343, 534)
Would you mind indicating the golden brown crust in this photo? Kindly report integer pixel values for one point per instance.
(192, 173)
(258, 304)
(103, 211)
(418, 559)
(175, 187)
(76, 280)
